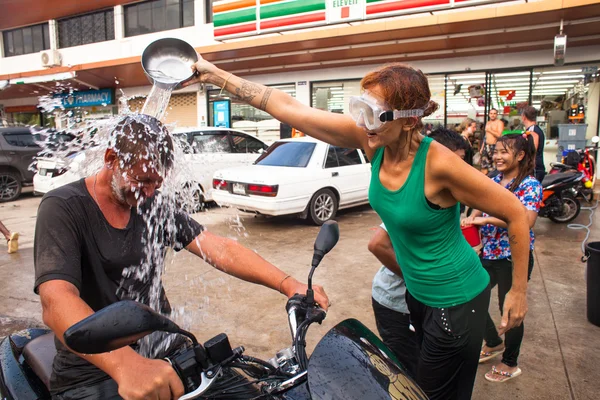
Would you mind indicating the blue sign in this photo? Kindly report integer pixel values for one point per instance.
(87, 98)
(221, 114)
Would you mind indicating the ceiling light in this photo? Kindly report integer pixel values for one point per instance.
(567, 71)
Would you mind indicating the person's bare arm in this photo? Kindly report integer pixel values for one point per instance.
(470, 187)
(531, 217)
(381, 247)
(137, 377)
(536, 140)
(333, 128)
(234, 259)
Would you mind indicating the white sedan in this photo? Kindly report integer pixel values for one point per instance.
(301, 176)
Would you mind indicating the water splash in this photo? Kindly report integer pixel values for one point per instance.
(157, 101)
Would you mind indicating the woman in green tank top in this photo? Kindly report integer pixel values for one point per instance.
(415, 188)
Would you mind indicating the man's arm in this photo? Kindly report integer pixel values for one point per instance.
(136, 376)
(381, 247)
(234, 259)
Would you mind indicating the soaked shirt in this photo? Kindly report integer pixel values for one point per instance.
(494, 239)
(74, 243)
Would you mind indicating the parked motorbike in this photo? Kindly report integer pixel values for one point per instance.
(349, 362)
(579, 161)
(559, 198)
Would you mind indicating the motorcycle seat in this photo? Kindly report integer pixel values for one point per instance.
(39, 355)
(551, 179)
(563, 167)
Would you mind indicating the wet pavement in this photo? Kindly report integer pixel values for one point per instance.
(558, 355)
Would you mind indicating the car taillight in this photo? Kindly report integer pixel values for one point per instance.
(263, 190)
(219, 184)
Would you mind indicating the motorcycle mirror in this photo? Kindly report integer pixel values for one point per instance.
(326, 240)
(116, 326)
(595, 139)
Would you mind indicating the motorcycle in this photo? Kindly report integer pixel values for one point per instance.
(579, 161)
(350, 362)
(559, 197)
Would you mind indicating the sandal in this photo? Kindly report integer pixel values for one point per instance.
(496, 375)
(485, 356)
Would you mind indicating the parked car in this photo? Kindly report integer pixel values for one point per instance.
(211, 149)
(18, 148)
(302, 176)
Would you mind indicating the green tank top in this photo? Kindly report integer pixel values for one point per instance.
(439, 266)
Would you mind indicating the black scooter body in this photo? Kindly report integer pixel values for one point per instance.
(17, 380)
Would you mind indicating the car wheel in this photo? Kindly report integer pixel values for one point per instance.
(323, 206)
(198, 198)
(10, 186)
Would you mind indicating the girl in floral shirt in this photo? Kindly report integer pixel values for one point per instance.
(515, 161)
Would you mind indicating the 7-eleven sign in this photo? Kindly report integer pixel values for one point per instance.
(345, 10)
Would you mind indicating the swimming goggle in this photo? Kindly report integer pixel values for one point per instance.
(366, 113)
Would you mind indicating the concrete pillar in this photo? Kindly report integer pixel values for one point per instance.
(119, 22)
(53, 33)
(303, 92)
(591, 112)
(199, 12)
(201, 104)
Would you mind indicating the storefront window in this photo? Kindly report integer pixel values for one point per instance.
(248, 118)
(509, 94)
(334, 96)
(465, 98)
(557, 90)
(436, 87)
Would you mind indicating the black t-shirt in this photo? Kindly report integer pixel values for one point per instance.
(539, 154)
(75, 243)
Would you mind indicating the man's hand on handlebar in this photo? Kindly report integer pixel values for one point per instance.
(291, 286)
(143, 378)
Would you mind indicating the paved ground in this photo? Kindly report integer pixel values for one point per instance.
(558, 357)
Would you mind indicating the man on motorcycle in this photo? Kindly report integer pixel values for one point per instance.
(91, 238)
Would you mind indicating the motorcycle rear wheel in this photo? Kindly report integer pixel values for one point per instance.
(570, 207)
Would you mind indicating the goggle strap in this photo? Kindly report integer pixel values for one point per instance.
(395, 114)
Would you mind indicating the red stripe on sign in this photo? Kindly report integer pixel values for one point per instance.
(345, 12)
(303, 19)
(403, 5)
(235, 29)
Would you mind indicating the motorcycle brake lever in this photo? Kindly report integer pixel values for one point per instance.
(207, 380)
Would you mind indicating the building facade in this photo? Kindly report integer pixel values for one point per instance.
(64, 60)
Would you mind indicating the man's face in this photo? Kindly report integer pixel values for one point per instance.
(460, 153)
(493, 115)
(133, 185)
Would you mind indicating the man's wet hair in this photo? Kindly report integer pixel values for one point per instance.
(449, 138)
(140, 137)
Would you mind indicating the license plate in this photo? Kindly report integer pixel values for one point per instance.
(43, 172)
(239, 188)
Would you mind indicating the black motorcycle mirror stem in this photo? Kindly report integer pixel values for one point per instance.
(326, 240)
(118, 325)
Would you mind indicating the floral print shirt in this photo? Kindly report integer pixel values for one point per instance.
(495, 239)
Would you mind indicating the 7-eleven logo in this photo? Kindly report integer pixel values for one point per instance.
(345, 10)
